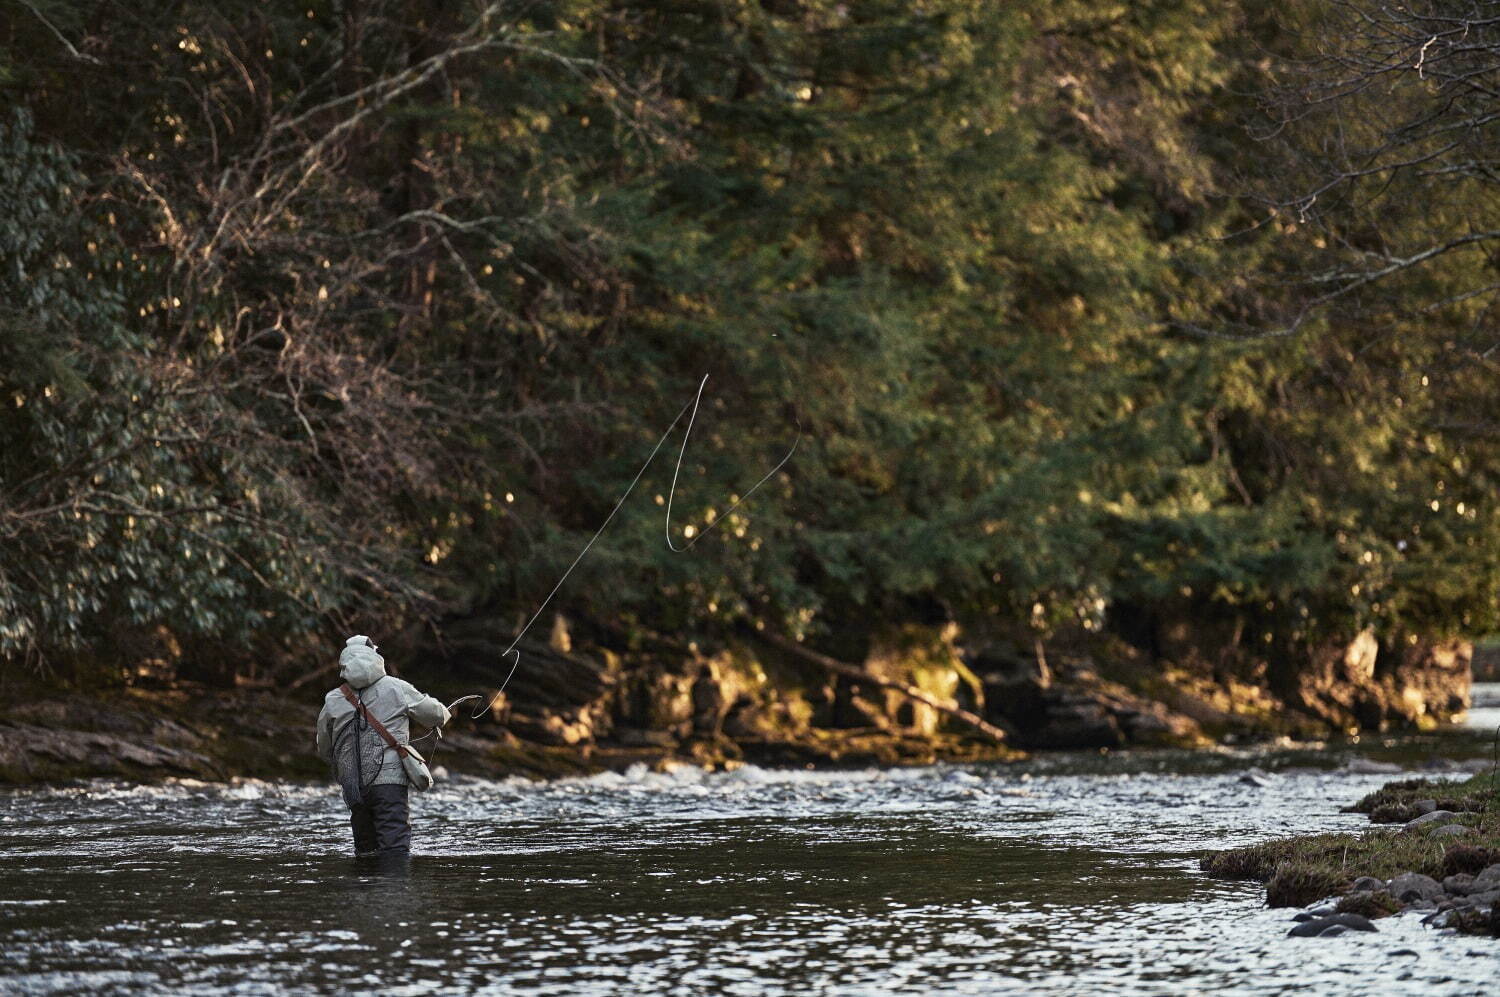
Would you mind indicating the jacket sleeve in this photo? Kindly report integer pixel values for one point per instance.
(423, 709)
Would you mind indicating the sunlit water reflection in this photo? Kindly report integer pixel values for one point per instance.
(1070, 874)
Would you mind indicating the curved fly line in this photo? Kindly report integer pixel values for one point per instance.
(691, 411)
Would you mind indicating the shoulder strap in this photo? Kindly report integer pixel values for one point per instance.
(364, 711)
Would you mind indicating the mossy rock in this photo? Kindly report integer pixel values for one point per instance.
(1372, 904)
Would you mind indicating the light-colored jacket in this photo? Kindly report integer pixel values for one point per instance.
(389, 699)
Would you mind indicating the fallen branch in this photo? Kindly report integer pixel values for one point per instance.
(963, 716)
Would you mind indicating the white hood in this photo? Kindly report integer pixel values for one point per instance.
(359, 663)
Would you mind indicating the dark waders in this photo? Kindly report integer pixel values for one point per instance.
(381, 822)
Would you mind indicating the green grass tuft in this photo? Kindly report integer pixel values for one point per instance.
(1297, 884)
(1299, 871)
(1346, 855)
(1395, 803)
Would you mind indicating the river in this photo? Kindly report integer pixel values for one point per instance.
(1070, 873)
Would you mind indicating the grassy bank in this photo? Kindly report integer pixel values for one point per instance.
(1301, 870)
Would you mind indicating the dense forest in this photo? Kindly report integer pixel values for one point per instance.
(360, 315)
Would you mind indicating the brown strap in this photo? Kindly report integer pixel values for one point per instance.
(364, 711)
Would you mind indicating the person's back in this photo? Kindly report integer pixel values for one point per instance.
(370, 770)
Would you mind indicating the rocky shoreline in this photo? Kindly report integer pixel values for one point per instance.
(1442, 859)
(220, 736)
(906, 695)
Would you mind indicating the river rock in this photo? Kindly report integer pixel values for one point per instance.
(1314, 913)
(1414, 888)
(27, 750)
(1319, 927)
(1458, 884)
(1368, 884)
(1366, 766)
(1487, 878)
(1451, 831)
(1489, 898)
(638, 737)
(1073, 721)
(1336, 681)
(1372, 904)
(1431, 817)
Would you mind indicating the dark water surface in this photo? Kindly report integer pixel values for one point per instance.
(1069, 874)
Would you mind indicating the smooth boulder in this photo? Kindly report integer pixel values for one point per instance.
(1431, 817)
(1457, 885)
(1486, 879)
(1321, 927)
(1413, 887)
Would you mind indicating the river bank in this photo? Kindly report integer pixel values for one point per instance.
(223, 735)
(1435, 849)
(900, 695)
(716, 713)
(1443, 859)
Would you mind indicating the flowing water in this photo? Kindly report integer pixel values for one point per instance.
(1069, 874)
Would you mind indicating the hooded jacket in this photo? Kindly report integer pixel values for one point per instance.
(389, 699)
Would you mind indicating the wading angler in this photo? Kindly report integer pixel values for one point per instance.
(364, 734)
